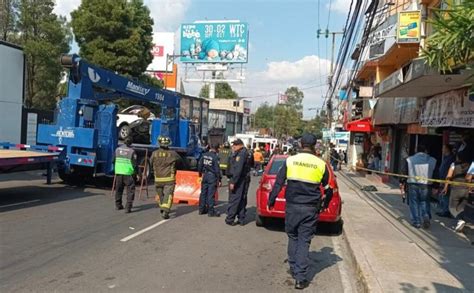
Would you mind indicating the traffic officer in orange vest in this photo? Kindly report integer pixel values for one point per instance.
(304, 173)
(164, 162)
(125, 169)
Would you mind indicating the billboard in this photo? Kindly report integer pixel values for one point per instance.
(163, 44)
(214, 42)
(409, 27)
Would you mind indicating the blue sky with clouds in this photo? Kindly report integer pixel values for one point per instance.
(283, 45)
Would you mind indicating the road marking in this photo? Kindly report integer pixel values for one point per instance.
(19, 203)
(143, 231)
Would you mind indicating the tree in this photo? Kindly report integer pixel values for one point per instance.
(264, 116)
(223, 91)
(295, 98)
(452, 42)
(114, 34)
(8, 18)
(44, 37)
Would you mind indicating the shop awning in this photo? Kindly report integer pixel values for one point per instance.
(421, 81)
(362, 125)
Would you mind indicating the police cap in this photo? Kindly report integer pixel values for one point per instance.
(238, 141)
(308, 140)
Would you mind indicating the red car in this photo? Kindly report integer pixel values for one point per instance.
(330, 215)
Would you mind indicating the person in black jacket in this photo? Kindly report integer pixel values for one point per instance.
(238, 172)
(209, 170)
(304, 173)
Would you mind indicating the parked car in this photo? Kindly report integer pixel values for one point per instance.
(331, 215)
(128, 116)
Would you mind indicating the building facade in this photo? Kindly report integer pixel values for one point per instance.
(396, 101)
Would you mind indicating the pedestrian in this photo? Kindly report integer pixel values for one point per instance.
(237, 184)
(125, 170)
(458, 172)
(277, 151)
(210, 173)
(419, 165)
(164, 162)
(258, 160)
(224, 154)
(468, 210)
(341, 158)
(304, 173)
(446, 161)
(334, 159)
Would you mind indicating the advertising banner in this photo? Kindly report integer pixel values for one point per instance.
(163, 44)
(454, 108)
(408, 27)
(214, 42)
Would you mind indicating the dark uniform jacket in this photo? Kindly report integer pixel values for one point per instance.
(300, 192)
(209, 163)
(239, 167)
(164, 163)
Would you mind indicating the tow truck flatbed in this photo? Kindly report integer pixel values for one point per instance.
(22, 157)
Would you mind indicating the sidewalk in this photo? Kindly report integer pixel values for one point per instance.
(390, 254)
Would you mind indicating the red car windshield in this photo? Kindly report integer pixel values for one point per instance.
(276, 165)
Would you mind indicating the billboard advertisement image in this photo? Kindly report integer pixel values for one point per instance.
(214, 42)
(409, 27)
(163, 44)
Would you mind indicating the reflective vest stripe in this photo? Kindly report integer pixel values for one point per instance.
(123, 166)
(223, 165)
(305, 168)
(164, 179)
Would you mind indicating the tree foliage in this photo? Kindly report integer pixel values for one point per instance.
(295, 98)
(44, 36)
(286, 120)
(452, 42)
(223, 91)
(114, 34)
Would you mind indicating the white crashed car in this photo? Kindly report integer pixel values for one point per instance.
(128, 116)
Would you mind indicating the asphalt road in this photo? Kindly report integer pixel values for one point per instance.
(60, 238)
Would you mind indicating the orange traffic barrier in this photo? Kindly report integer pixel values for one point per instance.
(188, 188)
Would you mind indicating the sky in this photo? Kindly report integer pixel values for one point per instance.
(283, 48)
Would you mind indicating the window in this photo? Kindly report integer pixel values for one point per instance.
(276, 165)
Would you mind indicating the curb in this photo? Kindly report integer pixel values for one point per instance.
(365, 275)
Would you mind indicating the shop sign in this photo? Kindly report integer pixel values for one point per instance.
(383, 38)
(408, 27)
(366, 91)
(454, 108)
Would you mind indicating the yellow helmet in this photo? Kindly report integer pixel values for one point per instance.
(164, 141)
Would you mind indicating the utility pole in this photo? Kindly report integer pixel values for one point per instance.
(331, 73)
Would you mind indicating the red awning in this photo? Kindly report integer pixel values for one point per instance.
(362, 125)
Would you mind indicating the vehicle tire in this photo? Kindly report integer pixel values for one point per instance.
(124, 131)
(336, 228)
(259, 221)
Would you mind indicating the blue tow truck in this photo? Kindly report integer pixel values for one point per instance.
(85, 125)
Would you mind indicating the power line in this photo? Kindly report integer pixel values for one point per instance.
(329, 14)
(277, 93)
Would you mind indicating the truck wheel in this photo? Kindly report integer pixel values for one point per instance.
(124, 131)
(259, 221)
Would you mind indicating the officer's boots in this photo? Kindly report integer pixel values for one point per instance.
(214, 213)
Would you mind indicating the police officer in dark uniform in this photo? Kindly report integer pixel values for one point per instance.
(125, 169)
(304, 173)
(237, 184)
(224, 154)
(209, 171)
